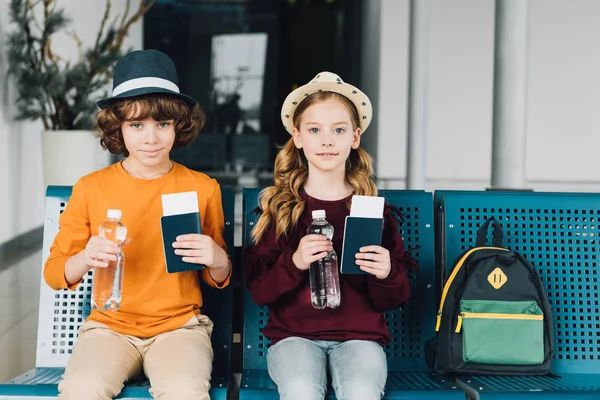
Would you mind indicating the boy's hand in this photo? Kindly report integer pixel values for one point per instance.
(99, 251)
(374, 260)
(201, 249)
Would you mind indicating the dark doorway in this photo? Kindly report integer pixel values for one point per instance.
(241, 58)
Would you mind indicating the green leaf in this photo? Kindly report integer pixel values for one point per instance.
(62, 96)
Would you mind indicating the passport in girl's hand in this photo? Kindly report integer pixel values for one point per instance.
(180, 217)
(363, 227)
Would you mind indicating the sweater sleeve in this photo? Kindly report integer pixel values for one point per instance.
(72, 238)
(393, 291)
(270, 271)
(213, 225)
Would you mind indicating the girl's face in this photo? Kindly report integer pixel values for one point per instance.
(326, 135)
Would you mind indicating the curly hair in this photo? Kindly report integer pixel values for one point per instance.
(187, 120)
(282, 204)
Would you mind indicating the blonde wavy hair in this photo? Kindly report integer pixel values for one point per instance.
(282, 204)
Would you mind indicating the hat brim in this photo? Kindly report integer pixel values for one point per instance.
(144, 91)
(355, 95)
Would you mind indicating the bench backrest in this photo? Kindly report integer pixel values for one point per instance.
(410, 326)
(559, 234)
(62, 312)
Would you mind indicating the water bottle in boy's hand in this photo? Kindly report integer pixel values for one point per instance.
(324, 278)
(108, 281)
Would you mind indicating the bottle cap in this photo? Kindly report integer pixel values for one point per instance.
(318, 214)
(114, 214)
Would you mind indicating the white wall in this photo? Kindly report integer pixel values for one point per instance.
(21, 186)
(21, 203)
(369, 80)
(564, 93)
(5, 140)
(393, 86)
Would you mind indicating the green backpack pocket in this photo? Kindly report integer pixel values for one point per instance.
(501, 332)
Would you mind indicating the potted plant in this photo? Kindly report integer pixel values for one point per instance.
(59, 92)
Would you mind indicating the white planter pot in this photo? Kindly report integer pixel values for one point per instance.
(69, 155)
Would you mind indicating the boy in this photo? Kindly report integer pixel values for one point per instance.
(159, 329)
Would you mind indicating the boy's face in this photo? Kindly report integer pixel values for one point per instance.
(149, 142)
(326, 135)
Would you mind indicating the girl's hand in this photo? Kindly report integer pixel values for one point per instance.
(310, 249)
(374, 260)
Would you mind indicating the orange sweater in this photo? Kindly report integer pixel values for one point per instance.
(154, 301)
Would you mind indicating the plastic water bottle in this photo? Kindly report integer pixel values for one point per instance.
(108, 281)
(324, 278)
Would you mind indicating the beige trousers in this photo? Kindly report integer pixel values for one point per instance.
(177, 363)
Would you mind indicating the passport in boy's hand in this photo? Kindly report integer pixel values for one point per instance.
(180, 217)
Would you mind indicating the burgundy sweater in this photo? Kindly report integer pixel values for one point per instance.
(274, 281)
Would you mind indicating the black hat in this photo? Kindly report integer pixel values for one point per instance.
(145, 72)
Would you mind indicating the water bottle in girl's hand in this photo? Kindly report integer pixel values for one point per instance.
(324, 278)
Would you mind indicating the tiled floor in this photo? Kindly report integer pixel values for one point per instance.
(19, 295)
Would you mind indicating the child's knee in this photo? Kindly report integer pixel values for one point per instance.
(181, 389)
(301, 389)
(89, 387)
(360, 389)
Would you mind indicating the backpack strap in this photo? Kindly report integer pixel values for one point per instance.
(498, 235)
(431, 350)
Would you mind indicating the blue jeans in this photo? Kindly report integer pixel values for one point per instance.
(299, 368)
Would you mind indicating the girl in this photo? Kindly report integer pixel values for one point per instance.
(159, 330)
(321, 167)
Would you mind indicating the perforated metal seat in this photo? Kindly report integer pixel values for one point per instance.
(559, 234)
(61, 313)
(410, 326)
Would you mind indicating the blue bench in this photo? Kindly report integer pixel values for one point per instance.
(559, 234)
(410, 326)
(61, 313)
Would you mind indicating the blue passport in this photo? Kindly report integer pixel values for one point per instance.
(359, 232)
(173, 226)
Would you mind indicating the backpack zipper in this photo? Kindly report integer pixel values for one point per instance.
(463, 315)
(451, 278)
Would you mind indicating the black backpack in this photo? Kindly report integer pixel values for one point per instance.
(494, 316)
